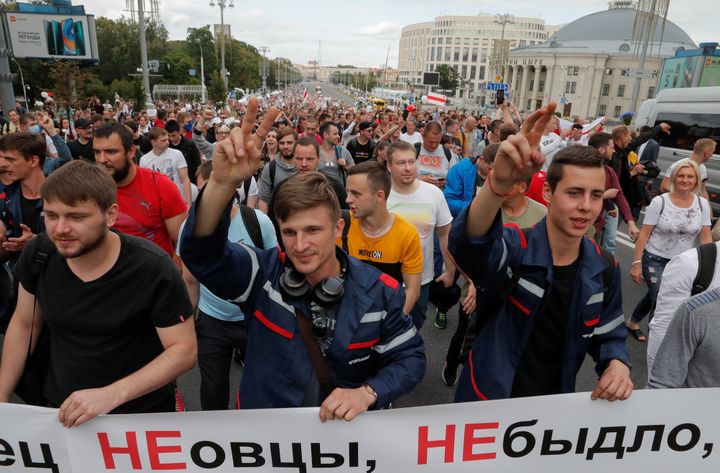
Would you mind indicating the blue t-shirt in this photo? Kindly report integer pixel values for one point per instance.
(211, 304)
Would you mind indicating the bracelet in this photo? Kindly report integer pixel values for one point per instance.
(497, 194)
(635, 263)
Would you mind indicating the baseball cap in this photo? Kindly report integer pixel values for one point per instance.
(82, 123)
(215, 121)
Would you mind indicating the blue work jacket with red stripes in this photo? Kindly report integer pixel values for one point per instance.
(595, 321)
(374, 342)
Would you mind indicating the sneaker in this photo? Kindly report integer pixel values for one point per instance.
(449, 375)
(440, 319)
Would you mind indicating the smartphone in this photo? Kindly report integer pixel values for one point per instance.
(500, 97)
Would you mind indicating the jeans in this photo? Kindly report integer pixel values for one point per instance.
(437, 256)
(418, 313)
(456, 342)
(217, 339)
(652, 269)
(611, 230)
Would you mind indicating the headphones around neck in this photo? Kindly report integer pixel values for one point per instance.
(326, 293)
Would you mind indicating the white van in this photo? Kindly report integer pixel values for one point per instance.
(692, 113)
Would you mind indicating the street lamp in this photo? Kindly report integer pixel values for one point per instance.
(22, 81)
(202, 72)
(503, 20)
(222, 4)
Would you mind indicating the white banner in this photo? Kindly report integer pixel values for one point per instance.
(655, 431)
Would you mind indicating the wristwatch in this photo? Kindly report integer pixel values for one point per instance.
(370, 389)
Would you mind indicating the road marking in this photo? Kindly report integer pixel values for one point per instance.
(624, 238)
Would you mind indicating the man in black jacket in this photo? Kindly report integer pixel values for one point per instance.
(626, 163)
(185, 146)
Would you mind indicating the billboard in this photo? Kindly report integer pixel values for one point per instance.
(678, 72)
(431, 78)
(49, 36)
(711, 72)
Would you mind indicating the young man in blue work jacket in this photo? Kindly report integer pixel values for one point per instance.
(559, 304)
(370, 349)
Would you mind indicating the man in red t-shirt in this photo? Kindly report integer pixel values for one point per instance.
(151, 205)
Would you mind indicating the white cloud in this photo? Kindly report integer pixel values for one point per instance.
(384, 29)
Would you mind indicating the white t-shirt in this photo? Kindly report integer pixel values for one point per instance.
(703, 170)
(252, 190)
(434, 163)
(412, 139)
(549, 146)
(168, 163)
(677, 228)
(675, 288)
(425, 208)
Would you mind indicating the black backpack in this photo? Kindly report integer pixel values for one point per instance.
(707, 256)
(448, 155)
(30, 385)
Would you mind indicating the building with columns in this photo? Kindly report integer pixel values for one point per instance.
(587, 65)
(465, 43)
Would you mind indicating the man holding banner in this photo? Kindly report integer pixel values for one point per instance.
(323, 328)
(548, 296)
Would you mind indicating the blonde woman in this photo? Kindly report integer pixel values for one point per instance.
(674, 222)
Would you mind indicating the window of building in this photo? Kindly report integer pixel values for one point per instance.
(621, 91)
(440, 41)
(573, 70)
(466, 41)
(456, 55)
(541, 87)
(523, 42)
(476, 41)
(651, 92)
(473, 71)
(532, 84)
(474, 54)
(482, 72)
(457, 40)
(618, 110)
(448, 40)
(433, 40)
(602, 110)
(529, 104)
(432, 53)
(447, 54)
(570, 87)
(463, 74)
(466, 54)
(605, 90)
(439, 53)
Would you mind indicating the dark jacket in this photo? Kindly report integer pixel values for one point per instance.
(374, 342)
(192, 156)
(595, 322)
(631, 185)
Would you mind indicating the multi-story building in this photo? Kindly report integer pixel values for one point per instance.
(591, 66)
(465, 43)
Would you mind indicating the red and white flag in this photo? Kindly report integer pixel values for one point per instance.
(305, 96)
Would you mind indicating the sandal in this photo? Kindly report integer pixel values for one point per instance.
(637, 333)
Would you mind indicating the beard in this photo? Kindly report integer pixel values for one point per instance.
(120, 174)
(96, 240)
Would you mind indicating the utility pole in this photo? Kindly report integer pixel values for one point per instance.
(223, 72)
(202, 73)
(501, 54)
(7, 94)
(143, 56)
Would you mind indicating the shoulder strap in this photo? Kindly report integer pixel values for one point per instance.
(313, 350)
(448, 155)
(662, 206)
(707, 257)
(273, 165)
(609, 272)
(345, 214)
(44, 250)
(252, 225)
(417, 149)
(246, 187)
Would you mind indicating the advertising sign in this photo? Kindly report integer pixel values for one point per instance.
(431, 78)
(678, 72)
(711, 72)
(48, 36)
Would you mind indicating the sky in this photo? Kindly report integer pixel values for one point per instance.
(360, 33)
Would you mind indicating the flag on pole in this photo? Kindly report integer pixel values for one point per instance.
(305, 96)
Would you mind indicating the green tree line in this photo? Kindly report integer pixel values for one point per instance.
(117, 71)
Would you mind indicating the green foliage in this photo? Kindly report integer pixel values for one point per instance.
(449, 78)
(215, 87)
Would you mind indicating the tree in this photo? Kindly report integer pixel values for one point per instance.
(66, 75)
(449, 78)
